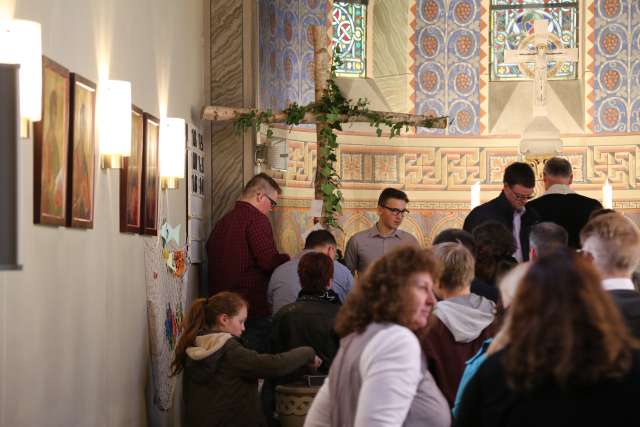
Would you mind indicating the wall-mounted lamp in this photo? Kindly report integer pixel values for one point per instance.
(21, 43)
(114, 122)
(172, 151)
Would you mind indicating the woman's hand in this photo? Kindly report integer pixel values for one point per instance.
(313, 366)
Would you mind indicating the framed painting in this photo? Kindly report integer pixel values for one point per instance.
(131, 178)
(51, 142)
(150, 174)
(82, 152)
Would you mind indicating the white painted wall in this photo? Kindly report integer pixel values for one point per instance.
(73, 327)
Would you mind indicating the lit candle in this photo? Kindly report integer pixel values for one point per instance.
(475, 195)
(607, 195)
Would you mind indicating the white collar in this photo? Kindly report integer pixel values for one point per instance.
(559, 189)
(618, 283)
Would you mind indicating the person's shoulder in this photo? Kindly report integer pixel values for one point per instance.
(285, 267)
(586, 201)
(339, 267)
(392, 334)
(360, 235)
(405, 235)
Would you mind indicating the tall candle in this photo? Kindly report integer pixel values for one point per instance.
(607, 195)
(475, 195)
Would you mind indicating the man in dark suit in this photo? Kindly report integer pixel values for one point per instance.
(562, 205)
(509, 207)
(613, 241)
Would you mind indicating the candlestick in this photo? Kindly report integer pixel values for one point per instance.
(607, 195)
(475, 195)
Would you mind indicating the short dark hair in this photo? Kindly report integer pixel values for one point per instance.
(391, 193)
(315, 269)
(319, 238)
(557, 166)
(457, 235)
(547, 237)
(519, 173)
(259, 183)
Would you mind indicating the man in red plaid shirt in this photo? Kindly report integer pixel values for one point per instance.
(242, 254)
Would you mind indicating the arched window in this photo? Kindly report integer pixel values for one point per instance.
(349, 20)
(512, 23)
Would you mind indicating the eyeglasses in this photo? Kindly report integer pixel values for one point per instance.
(396, 212)
(521, 196)
(273, 202)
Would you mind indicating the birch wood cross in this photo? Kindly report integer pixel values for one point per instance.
(327, 121)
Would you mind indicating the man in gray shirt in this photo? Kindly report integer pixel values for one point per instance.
(284, 285)
(367, 246)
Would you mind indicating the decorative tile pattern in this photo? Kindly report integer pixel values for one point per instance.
(483, 96)
(447, 63)
(617, 66)
(286, 50)
(589, 63)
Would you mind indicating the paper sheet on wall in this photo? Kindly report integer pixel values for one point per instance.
(166, 300)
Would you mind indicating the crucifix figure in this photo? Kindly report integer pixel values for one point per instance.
(540, 56)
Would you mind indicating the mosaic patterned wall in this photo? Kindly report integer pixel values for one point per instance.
(286, 50)
(438, 179)
(447, 62)
(617, 66)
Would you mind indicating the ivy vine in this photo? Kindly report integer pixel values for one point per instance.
(330, 113)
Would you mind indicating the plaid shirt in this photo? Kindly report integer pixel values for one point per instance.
(242, 255)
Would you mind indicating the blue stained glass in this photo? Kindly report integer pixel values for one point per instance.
(349, 22)
(512, 21)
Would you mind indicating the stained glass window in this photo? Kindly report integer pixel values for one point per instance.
(350, 37)
(512, 23)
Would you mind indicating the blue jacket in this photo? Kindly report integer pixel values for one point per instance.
(472, 367)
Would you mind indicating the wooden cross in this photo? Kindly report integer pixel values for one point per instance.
(322, 73)
(540, 56)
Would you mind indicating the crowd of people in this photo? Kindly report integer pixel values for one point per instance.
(527, 316)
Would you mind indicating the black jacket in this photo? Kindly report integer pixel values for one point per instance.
(500, 210)
(489, 401)
(571, 211)
(310, 321)
(629, 303)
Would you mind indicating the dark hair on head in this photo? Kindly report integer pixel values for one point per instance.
(564, 327)
(558, 166)
(599, 212)
(547, 237)
(457, 235)
(495, 247)
(315, 271)
(391, 193)
(383, 293)
(259, 184)
(519, 173)
(204, 314)
(319, 238)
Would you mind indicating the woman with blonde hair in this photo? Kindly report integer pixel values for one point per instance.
(569, 359)
(379, 376)
(220, 372)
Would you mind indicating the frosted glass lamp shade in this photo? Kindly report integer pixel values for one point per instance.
(114, 119)
(172, 148)
(21, 43)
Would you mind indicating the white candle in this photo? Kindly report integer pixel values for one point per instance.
(607, 195)
(475, 195)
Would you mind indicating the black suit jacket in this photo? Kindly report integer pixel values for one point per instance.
(629, 303)
(500, 210)
(571, 211)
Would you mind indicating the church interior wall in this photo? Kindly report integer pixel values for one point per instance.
(73, 323)
(447, 59)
